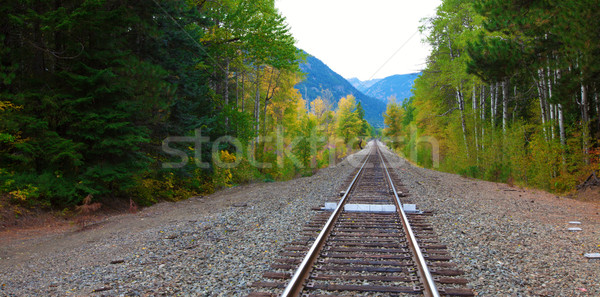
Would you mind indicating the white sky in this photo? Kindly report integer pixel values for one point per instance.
(357, 38)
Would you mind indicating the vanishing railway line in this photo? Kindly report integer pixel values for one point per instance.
(371, 242)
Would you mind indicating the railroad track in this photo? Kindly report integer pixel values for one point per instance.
(372, 242)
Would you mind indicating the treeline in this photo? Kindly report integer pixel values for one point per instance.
(127, 99)
(510, 93)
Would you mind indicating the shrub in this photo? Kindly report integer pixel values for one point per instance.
(222, 176)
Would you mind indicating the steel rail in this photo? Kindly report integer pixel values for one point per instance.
(296, 284)
(430, 289)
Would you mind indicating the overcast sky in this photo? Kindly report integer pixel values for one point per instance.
(364, 39)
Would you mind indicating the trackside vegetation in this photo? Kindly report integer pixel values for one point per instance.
(510, 93)
(90, 90)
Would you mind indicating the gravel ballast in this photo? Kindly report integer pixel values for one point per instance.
(510, 241)
(205, 246)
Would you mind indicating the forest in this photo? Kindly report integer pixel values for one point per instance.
(148, 101)
(510, 93)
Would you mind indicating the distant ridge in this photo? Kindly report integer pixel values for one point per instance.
(363, 85)
(321, 81)
(399, 85)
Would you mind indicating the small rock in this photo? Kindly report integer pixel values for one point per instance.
(103, 289)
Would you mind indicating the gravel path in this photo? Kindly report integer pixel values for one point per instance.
(512, 242)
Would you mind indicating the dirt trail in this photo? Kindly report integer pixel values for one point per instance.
(21, 244)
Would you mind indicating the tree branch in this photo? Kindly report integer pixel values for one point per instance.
(447, 112)
(56, 54)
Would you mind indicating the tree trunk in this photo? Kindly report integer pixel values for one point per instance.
(237, 90)
(552, 120)
(542, 105)
(264, 133)
(243, 89)
(257, 102)
(493, 94)
(475, 128)
(505, 93)
(461, 102)
(496, 95)
(585, 120)
(561, 125)
(226, 91)
(461, 107)
(268, 97)
(516, 101)
(552, 107)
(482, 108)
(597, 113)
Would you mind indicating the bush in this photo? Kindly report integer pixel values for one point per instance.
(471, 171)
(222, 176)
(164, 185)
(244, 172)
(31, 190)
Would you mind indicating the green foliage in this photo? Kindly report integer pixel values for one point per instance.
(167, 186)
(349, 123)
(509, 93)
(393, 119)
(309, 141)
(89, 90)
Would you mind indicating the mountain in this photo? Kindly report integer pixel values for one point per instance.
(399, 86)
(321, 81)
(362, 85)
